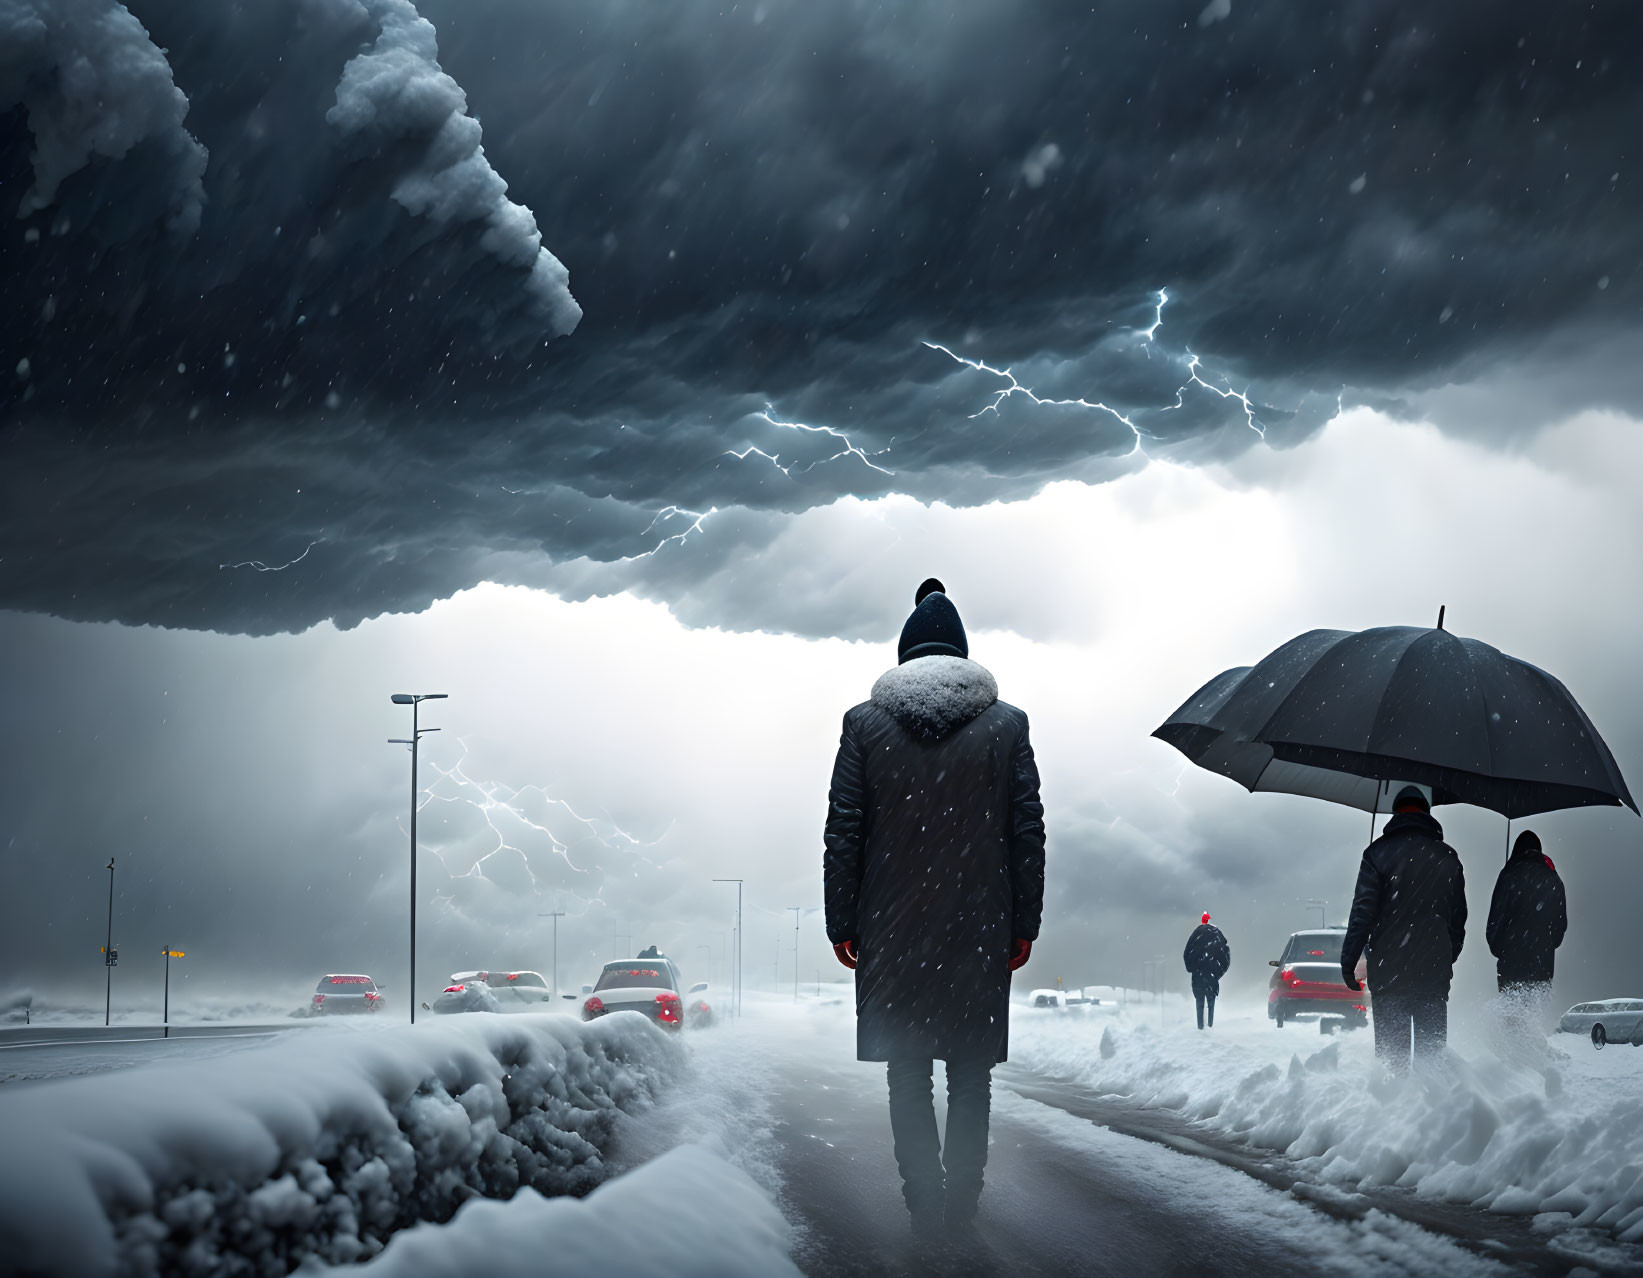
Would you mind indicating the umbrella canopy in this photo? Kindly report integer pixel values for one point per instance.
(1352, 716)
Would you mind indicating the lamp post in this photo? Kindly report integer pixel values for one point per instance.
(165, 1016)
(414, 700)
(1322, 907)
(736, 961)
(555, 915)
(796, 911)
(110, 958)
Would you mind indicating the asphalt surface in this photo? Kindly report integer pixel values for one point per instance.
(1070, 1196)
(40, 1053)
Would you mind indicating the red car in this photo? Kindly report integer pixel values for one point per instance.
(1308, 981)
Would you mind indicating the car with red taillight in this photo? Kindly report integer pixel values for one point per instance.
(649, 984)
(1308, 980)
(341, 994)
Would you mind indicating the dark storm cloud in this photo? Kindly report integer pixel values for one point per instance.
(767, 212)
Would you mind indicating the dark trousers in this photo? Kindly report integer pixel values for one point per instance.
(1204, 990)
(926, 1165)
(1206, 1002)
(1396, 1015)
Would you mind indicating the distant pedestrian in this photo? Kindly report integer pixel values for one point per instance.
(934, 881)
(1528, 917)
(1207, 957)
(1409, 909)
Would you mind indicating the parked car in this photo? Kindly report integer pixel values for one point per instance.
(519, 991)
(648, 984)
(1308, 980)
(467, 992)
(340, 994)
(1048, 999)
(1609, 1020)
(698, 1011)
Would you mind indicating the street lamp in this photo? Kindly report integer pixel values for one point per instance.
(555, 915)
(736, 961)
(414, 700)
(110, 955)
(797, 909)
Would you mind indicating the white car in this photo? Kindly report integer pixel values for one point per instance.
(341, 993)
(495, 991)
(649, 985)
(1609, 1020)
(1054, 1000)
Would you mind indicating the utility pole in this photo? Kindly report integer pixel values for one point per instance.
(736, 968)
(165, 1016)
(796, 911)
(110, 958)
(1321, 907)
(555, 915)
(414, 700)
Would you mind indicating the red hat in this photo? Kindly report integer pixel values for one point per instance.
(1205, 919)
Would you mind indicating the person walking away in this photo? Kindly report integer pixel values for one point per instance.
(1207, 957)
(1409, 909)
(934, 884)
(1528, 917)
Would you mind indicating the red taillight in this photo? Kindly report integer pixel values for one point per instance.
(455, 989)
(667, 1008)
(1288, 977)
(319, 998)
(371, 998)
(703, 1007)
(1359, 1007)
(593, 1007)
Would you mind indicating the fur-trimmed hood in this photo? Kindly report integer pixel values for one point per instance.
(934, 696)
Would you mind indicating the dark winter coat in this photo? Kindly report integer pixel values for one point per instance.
(935, 859)
(1207, 957)
(1527, 916)
(1409, 909)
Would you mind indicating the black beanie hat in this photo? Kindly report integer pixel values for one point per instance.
(1410, 797)
(933, 629)
(1527, 844)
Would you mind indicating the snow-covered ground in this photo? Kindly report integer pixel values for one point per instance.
(318, 1146)
(1547, 1127)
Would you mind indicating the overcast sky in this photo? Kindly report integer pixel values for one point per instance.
(620, 369)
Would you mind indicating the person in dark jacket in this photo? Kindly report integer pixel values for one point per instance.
(1528, 916)
(1409, 909)
(934, 884)
(1207, 957)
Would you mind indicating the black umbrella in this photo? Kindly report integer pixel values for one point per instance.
(1351, 717)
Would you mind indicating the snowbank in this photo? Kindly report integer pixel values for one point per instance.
(1554, 1129)
(687, 1214)
(317, 1147)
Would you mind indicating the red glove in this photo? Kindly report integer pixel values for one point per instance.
(846, 950)
(1020, 952)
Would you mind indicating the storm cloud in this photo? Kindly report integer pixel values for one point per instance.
(821, 251)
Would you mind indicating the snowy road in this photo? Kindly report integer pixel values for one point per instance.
(46, 1052)
(782, 1094)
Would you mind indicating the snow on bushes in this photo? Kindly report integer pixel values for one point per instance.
(1510, 1125)
(698, 1217)
(317, 1147)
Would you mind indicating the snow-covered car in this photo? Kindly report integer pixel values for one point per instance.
(492, 990)
(467, 992)
(698, 1011)
(649, 984)
(340, 994)
(1047, 1000)
(1608, 1020)
(1308, 980)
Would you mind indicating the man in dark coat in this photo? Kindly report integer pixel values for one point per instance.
(1207, 957)
(1528, 916)
(1410, 911)
(934, 882)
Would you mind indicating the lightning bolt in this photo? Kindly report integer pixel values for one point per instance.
(1157, 318)
(849, 450)
(1016, 388)
(495, 799)
(1243, 397)
(697, 517)
(262, 567)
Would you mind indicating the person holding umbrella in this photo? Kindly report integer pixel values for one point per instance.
(1207, 958)
(1409, 911)
(1528, 917)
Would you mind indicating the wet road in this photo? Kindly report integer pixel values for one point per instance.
(1064, 1197)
